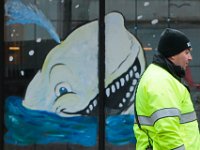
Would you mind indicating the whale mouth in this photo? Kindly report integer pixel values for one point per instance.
(119, 94)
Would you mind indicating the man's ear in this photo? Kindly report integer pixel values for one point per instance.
(171, 58)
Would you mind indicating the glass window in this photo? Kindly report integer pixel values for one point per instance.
(51, 71)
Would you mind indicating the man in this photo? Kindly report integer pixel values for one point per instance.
(164, 113)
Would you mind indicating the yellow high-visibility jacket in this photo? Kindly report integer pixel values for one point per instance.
(165, 113)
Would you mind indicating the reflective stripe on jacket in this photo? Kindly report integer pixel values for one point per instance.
(165, 113)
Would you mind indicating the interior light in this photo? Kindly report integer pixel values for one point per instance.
(14, 48)
(147, 48)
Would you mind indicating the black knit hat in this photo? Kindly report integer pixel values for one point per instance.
(172, 42)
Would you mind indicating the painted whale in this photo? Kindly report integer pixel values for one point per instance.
(67, 84)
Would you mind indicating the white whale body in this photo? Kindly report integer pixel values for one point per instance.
(67, 84)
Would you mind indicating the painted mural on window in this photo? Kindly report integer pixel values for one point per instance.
(20, 13)
(61, 101)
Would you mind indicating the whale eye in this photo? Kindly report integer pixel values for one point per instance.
(62, 88)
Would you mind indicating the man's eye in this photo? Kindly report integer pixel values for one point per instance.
(187, 51)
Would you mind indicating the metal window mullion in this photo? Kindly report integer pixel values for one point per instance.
(101, 73)
(2, 65)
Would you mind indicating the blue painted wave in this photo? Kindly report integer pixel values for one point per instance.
(119, 129)
(20, 13)
(26, 127)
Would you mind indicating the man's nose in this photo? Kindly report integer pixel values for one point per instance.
(190, 56)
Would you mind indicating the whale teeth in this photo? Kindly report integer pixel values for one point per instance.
(131, 73)
(124, 100)
(91, 107)
(134, 68)
(131, 89)
(134, 82)
(127, 78)
(87, 111)
(132, 98)
(128, 94)
(137, 75)
(122, 82)
(108, 92)
(95, 103)
(113, 88)
(120, 105)
(117, 84)
(130, 79)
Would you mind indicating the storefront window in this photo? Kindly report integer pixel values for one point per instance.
(51, 68)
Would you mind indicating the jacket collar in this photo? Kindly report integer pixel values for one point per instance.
(176, 71)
